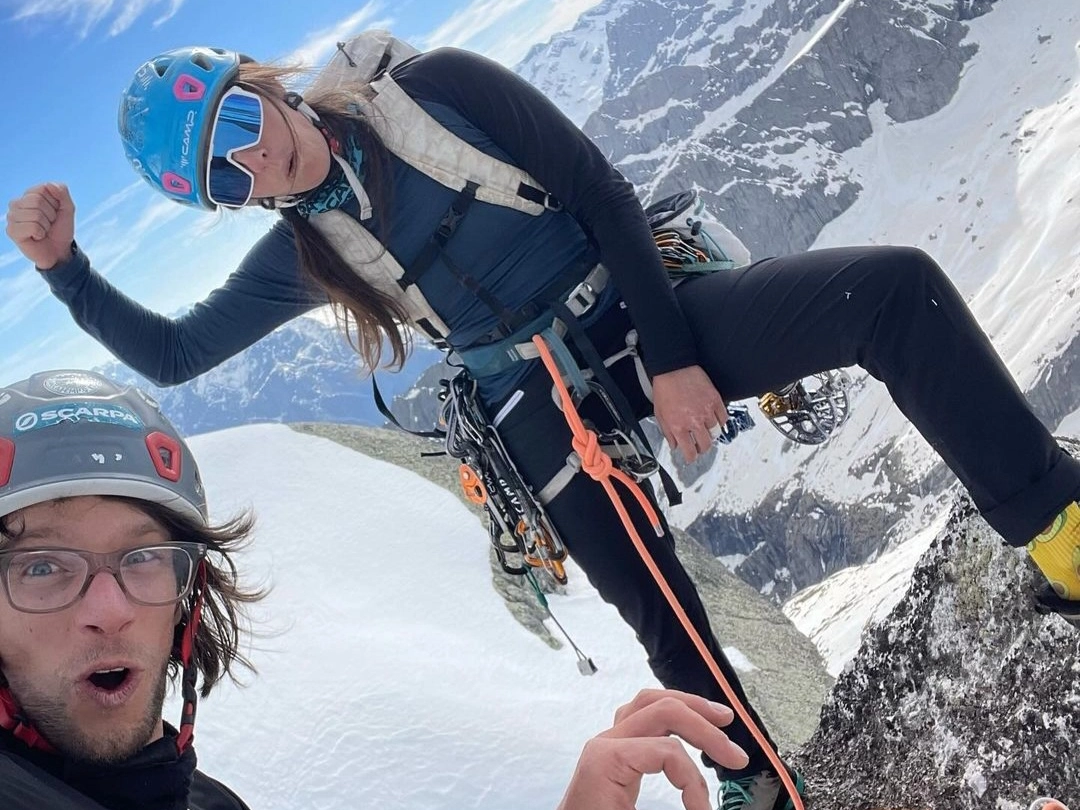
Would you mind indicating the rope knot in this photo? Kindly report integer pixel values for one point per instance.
(594, 460)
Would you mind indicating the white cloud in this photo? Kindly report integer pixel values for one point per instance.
(10, 257)
(112, 202)
(476, 18)
(121, 232)
(73, 350)
(19, 294)
(504, 30)
(87, 14)
(319, 45)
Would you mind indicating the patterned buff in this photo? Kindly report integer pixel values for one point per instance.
(335, 190)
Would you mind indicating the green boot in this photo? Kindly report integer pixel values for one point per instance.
(762, 791)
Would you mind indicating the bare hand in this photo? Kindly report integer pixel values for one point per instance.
(688, 409)
(643, 740)
(41, 223)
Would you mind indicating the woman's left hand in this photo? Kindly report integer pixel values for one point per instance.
(688, 409)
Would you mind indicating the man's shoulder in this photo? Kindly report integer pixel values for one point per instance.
(210, 794)
(24, 786)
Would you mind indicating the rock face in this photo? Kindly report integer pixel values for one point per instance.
(786, 681)
(753, 103)
(963, 697)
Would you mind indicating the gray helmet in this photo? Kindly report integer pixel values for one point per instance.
(68, 433)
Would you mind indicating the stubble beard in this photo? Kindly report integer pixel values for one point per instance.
(112, 745)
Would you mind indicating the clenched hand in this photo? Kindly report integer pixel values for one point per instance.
(41, 223)
(688, 409)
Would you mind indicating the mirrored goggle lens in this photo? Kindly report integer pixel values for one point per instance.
(237, 126)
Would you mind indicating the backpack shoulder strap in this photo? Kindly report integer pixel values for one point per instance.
(360, 60)
(417, 138)
(370, 260)
(361, 67)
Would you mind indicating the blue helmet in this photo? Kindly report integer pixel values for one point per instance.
(166, 114)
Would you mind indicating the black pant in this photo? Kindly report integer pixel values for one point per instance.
(890, 310)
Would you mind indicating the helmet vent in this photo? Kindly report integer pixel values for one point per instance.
(166, 455)
(160, 66)
(7, 460)
(200, 59)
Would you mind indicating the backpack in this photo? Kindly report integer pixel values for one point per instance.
(361, 67)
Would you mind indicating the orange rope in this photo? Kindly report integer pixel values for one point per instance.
(599, 466)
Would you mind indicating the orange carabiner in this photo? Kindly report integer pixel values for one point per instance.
(473, 486)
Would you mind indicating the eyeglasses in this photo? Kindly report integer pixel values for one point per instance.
(45, 580)
(238, 125)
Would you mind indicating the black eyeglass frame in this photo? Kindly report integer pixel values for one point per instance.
(97, 562)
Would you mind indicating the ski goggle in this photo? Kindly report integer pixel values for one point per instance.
(238, 125)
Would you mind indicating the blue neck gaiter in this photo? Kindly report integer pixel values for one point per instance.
(335, 190)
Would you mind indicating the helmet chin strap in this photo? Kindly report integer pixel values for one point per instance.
(296, 101)
(190, 670)
(12, 720)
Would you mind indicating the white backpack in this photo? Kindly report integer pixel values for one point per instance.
(361, 67)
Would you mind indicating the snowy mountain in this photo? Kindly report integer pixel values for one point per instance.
(949, 125)
(391, 674)
(754, 102)
(304, 371)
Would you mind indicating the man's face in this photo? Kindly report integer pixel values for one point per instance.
(91, 677)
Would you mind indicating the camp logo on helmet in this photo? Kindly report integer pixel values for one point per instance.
(76, 412)
(74, 384)
(144, 75)
(185, 147)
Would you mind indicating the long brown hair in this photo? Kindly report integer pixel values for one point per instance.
(225, 620)
(370, 317)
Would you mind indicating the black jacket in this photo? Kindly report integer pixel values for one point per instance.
(155, 779)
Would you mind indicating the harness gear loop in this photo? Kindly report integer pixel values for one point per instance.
(517, 522)
(603, 473)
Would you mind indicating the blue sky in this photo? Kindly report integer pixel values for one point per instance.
(65, 63)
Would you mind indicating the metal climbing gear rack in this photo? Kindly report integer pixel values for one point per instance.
(806, 411)
(518, 527)
(810, 410)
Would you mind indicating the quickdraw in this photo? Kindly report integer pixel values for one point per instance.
(518, 527)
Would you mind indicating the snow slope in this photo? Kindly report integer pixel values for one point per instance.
(395, 677)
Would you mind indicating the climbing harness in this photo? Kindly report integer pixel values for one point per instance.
(807, 411)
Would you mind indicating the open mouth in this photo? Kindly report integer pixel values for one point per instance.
(110, 680)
